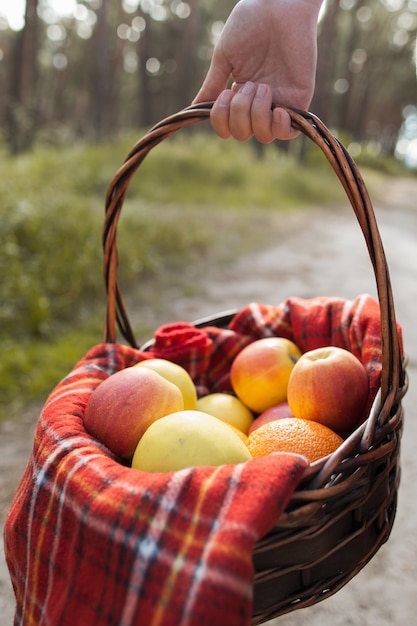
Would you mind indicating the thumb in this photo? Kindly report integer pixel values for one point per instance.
(214, 83)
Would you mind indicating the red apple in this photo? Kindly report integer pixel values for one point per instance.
(260, 372)
(277, 412)
(122, 407)
(329, 385)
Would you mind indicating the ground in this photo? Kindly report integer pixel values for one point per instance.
(320, 252)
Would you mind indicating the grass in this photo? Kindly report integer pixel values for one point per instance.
(195, 200)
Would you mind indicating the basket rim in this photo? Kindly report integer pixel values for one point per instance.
(348, 175)
(381, 421)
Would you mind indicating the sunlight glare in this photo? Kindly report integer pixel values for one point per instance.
(14, 10)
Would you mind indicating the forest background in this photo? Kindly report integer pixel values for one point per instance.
(108, 66)
(81, 80)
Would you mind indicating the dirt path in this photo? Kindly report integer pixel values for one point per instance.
(318, 253)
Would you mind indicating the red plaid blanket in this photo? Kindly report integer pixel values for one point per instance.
(89, 541)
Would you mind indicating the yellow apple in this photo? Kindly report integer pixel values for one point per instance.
(329, 385)
(260, 372)
(122, 407)
(175, 374)
(188, 439)
(227, 408)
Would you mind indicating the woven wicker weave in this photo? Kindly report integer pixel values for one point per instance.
(344, 510)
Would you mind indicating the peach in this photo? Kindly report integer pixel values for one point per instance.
(124, 405)
(329, 385)
(277, 412)
(260, 372)
(175, 374)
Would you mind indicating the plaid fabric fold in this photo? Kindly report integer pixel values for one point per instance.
(90, 541)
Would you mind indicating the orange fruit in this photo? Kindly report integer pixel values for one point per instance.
(293, 434)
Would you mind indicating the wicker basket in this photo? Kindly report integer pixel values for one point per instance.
(345, 507)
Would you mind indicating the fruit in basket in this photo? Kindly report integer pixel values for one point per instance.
(122, 407)
(243, 436)
(175, 374)
(187, 439)
(329, 385)
(292, 434)
(277, 412)
(260, 372)
(228, 408)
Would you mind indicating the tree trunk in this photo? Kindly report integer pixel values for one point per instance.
(145, 97)
(100, 72)
(327, 63)
(187, 57)
(22, 101)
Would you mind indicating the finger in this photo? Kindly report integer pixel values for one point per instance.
(240, 123)
(220, 113)
(281, 125)
(261, 114)
(214, 83)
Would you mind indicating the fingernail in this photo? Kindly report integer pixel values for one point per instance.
(277, 115)
(224, 98)
(261, 91)
(248, 89)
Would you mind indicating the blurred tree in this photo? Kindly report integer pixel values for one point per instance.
(21, 108)
(101, 70)
(111, 66)
(186, 60)
(366, 71)
(148, 66)
(328, 45)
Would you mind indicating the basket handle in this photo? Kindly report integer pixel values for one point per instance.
(349, 176)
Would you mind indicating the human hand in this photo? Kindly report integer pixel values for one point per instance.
(269, 49)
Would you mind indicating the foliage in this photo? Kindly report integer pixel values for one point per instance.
(29, 368)
(195, 202)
